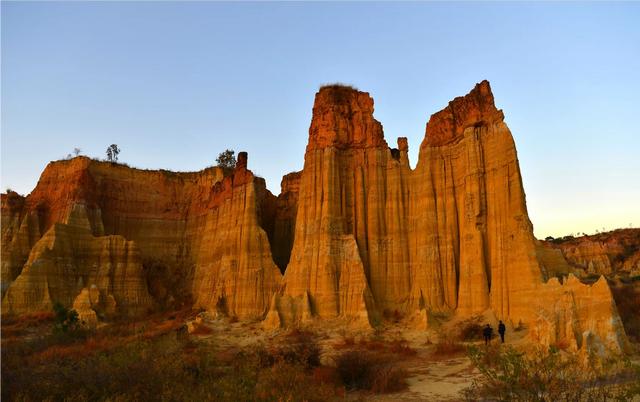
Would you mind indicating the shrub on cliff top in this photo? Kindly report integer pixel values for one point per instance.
(226, 160)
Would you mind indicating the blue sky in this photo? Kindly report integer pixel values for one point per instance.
(173, 84)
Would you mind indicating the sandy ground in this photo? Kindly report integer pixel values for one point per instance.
(430, 378)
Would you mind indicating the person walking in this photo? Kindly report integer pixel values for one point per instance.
(487, 332)
(501, 330)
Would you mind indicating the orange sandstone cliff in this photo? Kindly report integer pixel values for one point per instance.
(609, 253)
(193, 236)
(355, 235)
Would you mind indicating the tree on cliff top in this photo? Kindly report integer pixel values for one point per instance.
(112, 153)
(227, 160)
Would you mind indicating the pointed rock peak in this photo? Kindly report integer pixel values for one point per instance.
(343, 118)
(241, 163)
(477, 108)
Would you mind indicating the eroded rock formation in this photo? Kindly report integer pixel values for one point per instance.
(183, 235)
(357, 233)
(611, 253)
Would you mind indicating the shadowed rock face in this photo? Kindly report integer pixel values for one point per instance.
(357, 232)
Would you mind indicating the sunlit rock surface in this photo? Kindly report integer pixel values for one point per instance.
(355, 235)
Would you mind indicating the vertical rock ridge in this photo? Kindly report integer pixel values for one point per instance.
(356, 232)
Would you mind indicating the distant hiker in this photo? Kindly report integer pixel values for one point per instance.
(501, 330)
(487, 332)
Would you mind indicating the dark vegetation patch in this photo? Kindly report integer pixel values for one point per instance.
(366, 370)
(163, 366)
(469, 330)
(155, 359)
(373, 364)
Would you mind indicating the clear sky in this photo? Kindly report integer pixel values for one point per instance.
(173, 84)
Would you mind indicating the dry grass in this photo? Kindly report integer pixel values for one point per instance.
(20, 325)
(201, 329)
(509, 375)
(102, 366)
(395, 346)
(448, 348)
(401, 347)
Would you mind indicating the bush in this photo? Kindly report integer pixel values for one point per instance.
(509, 375)
(470, 330)
(365, 370)
(65, 320)
(300, 348)
(287, 382)
(401, 347)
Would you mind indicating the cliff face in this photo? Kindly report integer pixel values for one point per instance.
(357, 233)
(68, 259)
(453, 234)
(346, 247)
(183, 226)
(480, 237)
(610, 253)
(373, 236)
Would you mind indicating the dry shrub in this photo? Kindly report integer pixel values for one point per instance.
(347, 342)
(157, 369)
(201, 329)
(365, 370)
(299, 348)
(401, 347)
(508, 375)
(287, 382)
(393, 316)
(491, 355)
(470, 330)
(562, 344)
(19, 325)
(396, 346)
(326, 375)
(448, 348)
(373, 345)
(387, 379)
